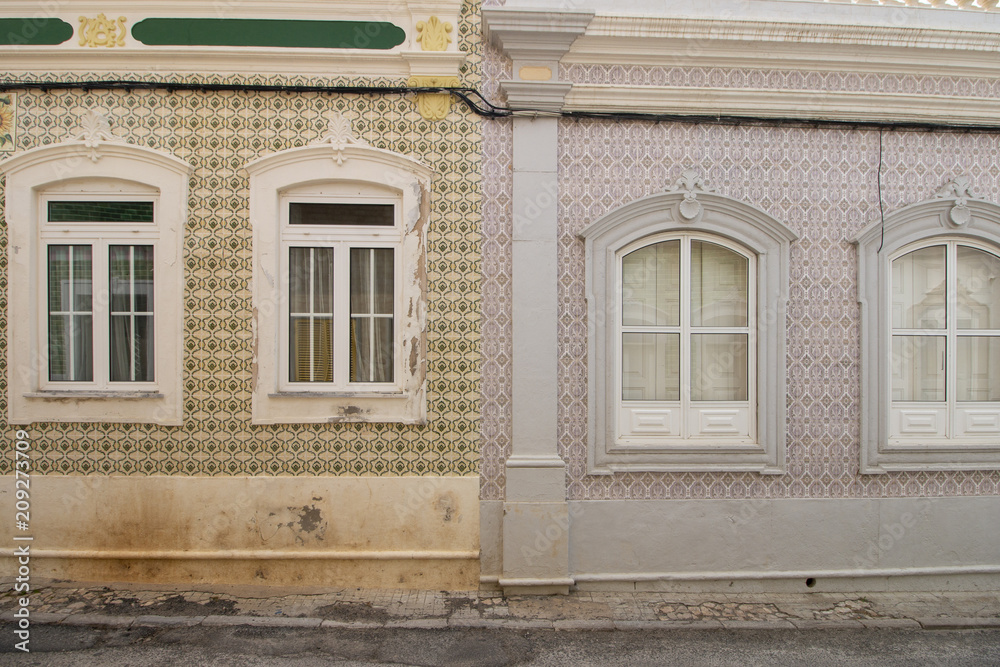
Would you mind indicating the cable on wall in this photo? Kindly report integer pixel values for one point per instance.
(478, 104)
(878, 180)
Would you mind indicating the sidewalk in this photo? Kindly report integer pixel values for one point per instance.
(124, 605)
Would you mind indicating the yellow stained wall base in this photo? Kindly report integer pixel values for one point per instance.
(402, 532)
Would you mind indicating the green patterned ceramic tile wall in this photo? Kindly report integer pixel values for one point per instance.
(218, 133)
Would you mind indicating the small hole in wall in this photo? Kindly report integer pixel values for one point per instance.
(810, 582)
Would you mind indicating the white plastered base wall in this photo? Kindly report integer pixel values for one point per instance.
(403, 532)
(779, 545)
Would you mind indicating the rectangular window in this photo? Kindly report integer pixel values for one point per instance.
(100, 295)
(100, 211)
(364, 215)
(341, 324)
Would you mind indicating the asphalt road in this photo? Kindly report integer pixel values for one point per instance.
(56, 646)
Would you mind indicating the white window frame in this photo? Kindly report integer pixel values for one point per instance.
(940, 445)
(659, 424)
(717, 219)
(101, 171)
(100, 237)
(339, 169)
(341, 238)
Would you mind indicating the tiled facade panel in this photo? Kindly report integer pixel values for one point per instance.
(219, 133)
(821, 183)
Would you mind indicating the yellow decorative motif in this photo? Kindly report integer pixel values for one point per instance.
(433, 34)
(102, 31)
(8, 109)
(433, 106)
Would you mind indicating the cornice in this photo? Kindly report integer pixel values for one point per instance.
(528, 34)
(798, 104)
(536, 95)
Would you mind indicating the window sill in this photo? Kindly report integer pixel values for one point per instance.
(116, 395)
(337, 394)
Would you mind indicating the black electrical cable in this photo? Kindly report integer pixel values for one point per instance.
(477, 103)
(878, 180)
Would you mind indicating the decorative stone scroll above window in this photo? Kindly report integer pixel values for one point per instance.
(928, 285)
(651, 407)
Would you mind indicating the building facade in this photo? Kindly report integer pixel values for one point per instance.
(657, 296)
(737, 260)
(241, 312)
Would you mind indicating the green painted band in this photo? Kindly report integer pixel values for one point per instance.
(269, 32)
(38, 31)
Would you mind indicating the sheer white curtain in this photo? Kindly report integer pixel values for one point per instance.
(372, 297)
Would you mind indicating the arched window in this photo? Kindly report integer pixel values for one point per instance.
(687, 331)
(339, 282)
(96, 280)
(686, 297)
(931, 336)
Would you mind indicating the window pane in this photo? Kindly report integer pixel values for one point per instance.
(310, 324)
(978, 289)
(918, 368)
(719, 367)
(143, 356)
(367, 215)
(83, 348)
(651, 285)
(143, 278)
(918, 290)
(121, 348)
(59, 287)
(361, 269)
(83, 267)
(100, 211)
(59, 348)
(978, 368)
(383, 287)
(718, 287)
(121, 296)
(299, 260)
(310, 349)
(651, 365)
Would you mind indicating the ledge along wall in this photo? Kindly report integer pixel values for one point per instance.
(218, 499)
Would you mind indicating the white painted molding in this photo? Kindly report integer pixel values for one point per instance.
(92, 160)
(536, 95)
(340, 158)
(950, 214)
(691, 206)
(527, 34)
(804, 104)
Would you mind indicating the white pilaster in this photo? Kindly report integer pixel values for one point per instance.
(536, 513)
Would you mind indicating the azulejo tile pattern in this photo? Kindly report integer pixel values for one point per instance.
(218, 133)
(496, 284)
(820, 182)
